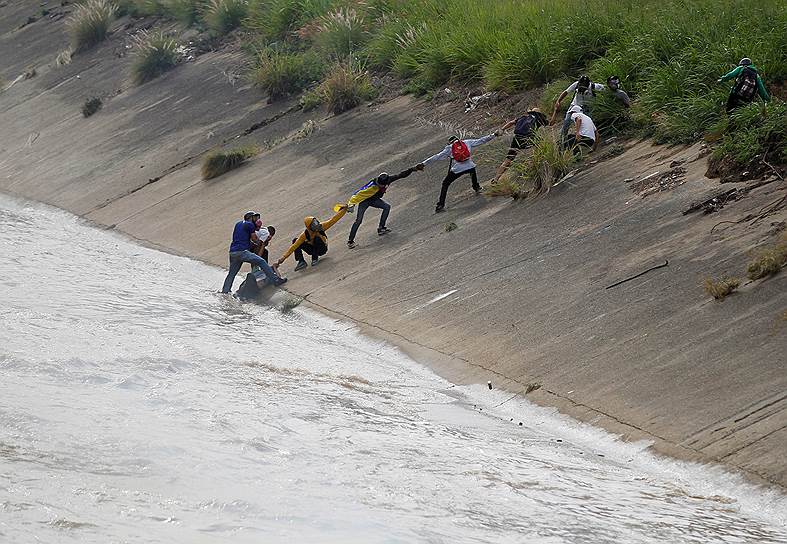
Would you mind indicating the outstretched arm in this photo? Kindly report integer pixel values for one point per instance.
(508, 125)
(444, 154)
(731, 74)
(557, 106)
(332, 221)
(403, 174)
(301, 239)
(481, 141)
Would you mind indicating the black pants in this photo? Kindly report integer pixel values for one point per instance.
(374, 202)
(318, 248)
(574, 144)
(451, 177)
(735, 101)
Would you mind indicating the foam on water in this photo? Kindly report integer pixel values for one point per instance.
(137, 405)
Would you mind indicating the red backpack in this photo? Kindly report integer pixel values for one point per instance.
(459, 151)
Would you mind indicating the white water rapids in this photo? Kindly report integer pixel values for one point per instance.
(138, 405)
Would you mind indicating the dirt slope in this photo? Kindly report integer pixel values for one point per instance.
(516, 294)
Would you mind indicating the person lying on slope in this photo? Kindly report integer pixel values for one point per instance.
(313, 240)
(371, 196)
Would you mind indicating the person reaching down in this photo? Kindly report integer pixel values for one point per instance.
(371, 196)
(313, 240)
(460, 154)
(585, 132)
(243, 235)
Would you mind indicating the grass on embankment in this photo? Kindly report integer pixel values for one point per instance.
(668, 54)
(217, 163)
(155, 54)
(89, 23)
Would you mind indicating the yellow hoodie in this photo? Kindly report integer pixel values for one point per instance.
(309, 235)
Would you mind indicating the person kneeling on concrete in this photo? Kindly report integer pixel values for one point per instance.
(525, 128)
(264, 237)
(371, 196)
(243, 234)
(585, 133)
(460, 153)
(313, 240)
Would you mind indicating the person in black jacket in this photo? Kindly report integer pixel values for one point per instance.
(371, 196)
(525, 128)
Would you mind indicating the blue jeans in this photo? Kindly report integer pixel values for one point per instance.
(237, 258)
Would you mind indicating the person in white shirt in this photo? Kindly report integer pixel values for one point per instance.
(585, 131)
(459, 151)
(584, 95)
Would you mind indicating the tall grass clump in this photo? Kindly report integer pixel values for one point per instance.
(545, 162)
(89, 23)
(186, 12)
(347, 86)
(223, 16)
(754, 130)
(217, 163)
(281, 73)
(768, 262)
(156, 53)
(719, 289)
(341, 33)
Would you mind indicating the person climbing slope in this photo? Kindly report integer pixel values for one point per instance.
(525, 128)
(313, 240)
(371, 196)
(585, 132)
(748, 84)
(460, 153)
(243, 235)
(584, 95)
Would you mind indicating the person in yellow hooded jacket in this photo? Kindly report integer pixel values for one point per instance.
(313, 240)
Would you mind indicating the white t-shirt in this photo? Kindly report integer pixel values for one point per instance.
(580, 99)
(587, 128)
(263, 234)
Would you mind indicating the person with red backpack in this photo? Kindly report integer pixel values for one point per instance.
(459, 152)
(525, 128)
(748, 84)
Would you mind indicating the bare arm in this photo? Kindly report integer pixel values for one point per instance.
(508, 125)
(557, 106)
(595, 143)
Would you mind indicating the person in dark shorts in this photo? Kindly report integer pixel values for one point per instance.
(525, 128)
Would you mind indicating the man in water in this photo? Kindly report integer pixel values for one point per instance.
(748, 84)
(313, 240)
(460, 153)
(371, 196)
(243, 235)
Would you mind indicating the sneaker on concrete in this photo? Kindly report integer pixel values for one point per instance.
(439, 208)
(383, 230)
(315, 261)
(350, 244)
(300, 266)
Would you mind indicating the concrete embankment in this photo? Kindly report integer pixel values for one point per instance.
(516, 294)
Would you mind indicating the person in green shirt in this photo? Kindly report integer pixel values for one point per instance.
(748, 84)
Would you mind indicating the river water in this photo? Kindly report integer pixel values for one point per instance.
(138, 405)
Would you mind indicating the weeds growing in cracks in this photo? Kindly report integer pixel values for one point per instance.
(156, 53)
(719, 289)
(217, 163)
(768, 262)
(91, 106)
(223, 16)
(89, 23)
(347, 85)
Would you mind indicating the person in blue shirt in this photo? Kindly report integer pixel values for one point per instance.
(243, 235)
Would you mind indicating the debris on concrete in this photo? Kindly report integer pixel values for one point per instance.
(657, 182)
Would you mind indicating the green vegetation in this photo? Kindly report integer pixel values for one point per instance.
(91, 106)
(217, 163)
(451, 226)
(281, 73)
(155, 54)
(507, 185)
(347, 85)
(546, 164)
(341, 33)
(223, 16)
(754, 130)
(719, 289)
(89, 23)
(768, 262)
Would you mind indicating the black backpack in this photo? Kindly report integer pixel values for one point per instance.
(746, 84)
(529, 123)
(585, 83)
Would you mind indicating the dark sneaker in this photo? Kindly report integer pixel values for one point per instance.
(280, 281)
(350, 244)
(477, 190)
(439, 208)
(300, 266)
(315, 261)
(383, 230)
